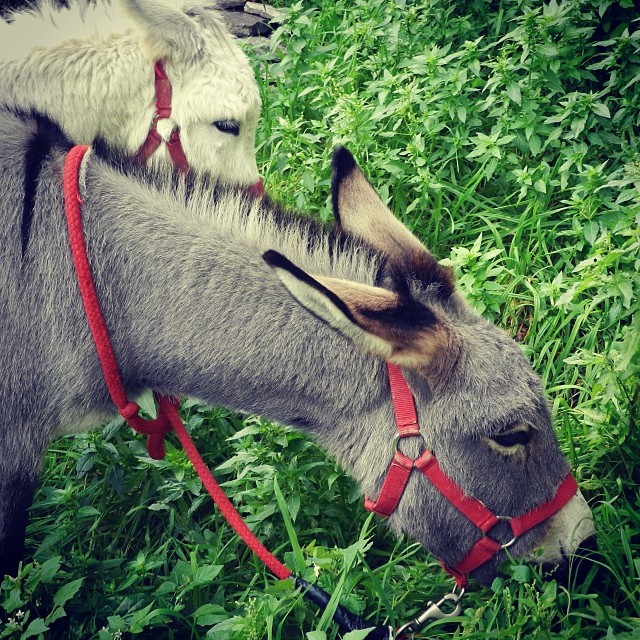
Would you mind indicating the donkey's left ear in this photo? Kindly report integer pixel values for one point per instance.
(359, 210)
(379, 322)
(168, 32)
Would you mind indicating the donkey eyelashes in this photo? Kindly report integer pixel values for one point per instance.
(512, 440)
(228, 126)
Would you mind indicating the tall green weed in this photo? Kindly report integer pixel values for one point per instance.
(504, 135)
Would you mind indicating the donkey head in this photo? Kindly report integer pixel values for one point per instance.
(481, 407)
(215, 102)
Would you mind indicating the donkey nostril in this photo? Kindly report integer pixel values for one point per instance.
(587, 548)
(574, 568)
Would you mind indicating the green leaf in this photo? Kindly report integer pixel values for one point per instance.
(209, 614)
(293, 538)
(513, 91)
(601, 109)
(360, 634)
(67, 591)
(590, 231)
(35, 628)
(49, 569)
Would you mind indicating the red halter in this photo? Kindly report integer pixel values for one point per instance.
(401, 467)
(174, 144)
(163, 111)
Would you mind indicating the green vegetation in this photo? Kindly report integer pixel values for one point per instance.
(503, 134)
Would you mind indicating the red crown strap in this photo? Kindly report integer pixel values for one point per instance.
(163, 91)
(403, 404)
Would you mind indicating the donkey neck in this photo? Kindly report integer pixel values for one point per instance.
(194, 310)
(73, 81)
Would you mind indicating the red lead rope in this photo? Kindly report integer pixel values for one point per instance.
(168, 418)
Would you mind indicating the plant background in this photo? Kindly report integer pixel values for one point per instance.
(504, 135)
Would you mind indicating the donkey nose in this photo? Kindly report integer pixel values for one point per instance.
(574, 568)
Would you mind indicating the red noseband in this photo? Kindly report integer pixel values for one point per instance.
(402, 466)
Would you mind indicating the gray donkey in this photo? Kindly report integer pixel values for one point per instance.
(200, 300)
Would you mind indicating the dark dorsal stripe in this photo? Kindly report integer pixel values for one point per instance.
(46, 137)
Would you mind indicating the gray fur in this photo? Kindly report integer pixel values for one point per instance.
(193, 309)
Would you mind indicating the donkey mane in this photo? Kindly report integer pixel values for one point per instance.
(49, 24)
(349, 255)
(323, 248)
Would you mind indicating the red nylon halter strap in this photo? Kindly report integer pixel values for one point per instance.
(163, 111)
(400, 469)
(168, 418)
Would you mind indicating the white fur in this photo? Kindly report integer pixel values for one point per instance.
(90, 68)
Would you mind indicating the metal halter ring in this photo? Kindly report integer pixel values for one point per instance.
(399, 437)
(513, 540)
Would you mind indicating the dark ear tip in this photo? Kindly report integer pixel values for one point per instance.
(343, 161)
(274, 259)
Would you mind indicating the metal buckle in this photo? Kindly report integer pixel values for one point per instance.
(433, 612)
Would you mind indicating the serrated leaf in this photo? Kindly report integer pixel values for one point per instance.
(513, 91)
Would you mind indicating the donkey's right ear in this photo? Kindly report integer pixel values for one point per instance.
(168, 32)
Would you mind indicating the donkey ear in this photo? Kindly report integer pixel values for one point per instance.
(378, 321)
(168, 32)
(359, 210)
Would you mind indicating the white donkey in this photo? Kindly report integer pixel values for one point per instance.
(91, 69)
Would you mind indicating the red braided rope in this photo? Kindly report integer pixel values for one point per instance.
(168, 418)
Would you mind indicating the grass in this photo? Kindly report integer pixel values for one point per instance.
(504, 136)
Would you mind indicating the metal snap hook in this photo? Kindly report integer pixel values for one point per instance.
(434, 611)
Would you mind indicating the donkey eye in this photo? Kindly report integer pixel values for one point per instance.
(228, 126)
(513, 438)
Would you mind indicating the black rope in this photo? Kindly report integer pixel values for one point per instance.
(345, 620)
